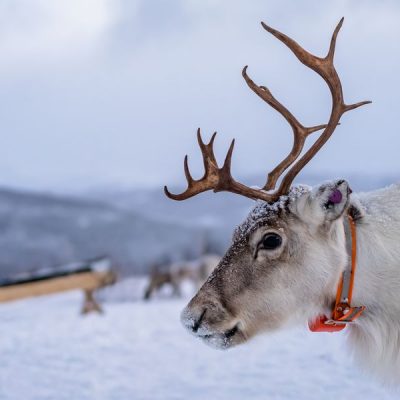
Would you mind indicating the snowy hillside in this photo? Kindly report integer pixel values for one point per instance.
(139, 351)
(39, 231)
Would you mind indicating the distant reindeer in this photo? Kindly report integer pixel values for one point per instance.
(196, 271)
(294, 257)
(158, 279)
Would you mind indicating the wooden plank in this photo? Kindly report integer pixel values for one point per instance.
(85, 281)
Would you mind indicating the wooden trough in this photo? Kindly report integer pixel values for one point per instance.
(88, 276)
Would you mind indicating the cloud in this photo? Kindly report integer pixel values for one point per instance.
(44, 31)
(98, 92)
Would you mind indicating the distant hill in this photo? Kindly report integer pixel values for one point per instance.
(40, 230)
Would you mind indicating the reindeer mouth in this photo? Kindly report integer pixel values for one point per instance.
(225, 339)
(231, 332)
(213, 331)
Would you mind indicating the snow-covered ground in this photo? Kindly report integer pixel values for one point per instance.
(139, 351)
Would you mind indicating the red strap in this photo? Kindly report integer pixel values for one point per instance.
(319, 324)
(343, 312)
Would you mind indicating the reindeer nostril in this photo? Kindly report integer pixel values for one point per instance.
(340, 181)
(197, 323)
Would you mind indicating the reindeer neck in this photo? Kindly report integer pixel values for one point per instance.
(377, 217)
(375, 337)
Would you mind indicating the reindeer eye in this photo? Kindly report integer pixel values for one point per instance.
(271, 241)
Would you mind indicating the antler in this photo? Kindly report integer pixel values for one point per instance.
(214, 178)
(220, 179)
(300, 132)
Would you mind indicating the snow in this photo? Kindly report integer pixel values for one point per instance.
(264, 210)
(139, 350)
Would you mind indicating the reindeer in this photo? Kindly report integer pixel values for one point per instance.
(196, 271)
(293, 259)
(158, 279)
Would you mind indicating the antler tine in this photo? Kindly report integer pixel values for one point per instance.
(332, 46)
(210, 177)
(207, 151)
(226, 180)
(187, 171)
(303, 55)
(228, 157)
(325, 68)
(300, 132)
(190, 181)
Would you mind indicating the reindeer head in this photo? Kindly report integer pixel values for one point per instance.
(286, 258)
(283, 266)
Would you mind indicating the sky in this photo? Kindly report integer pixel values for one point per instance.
(97, 93)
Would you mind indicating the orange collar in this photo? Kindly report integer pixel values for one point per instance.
(342, 313)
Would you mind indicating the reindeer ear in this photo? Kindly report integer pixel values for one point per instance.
(331, 199)
(324, 203)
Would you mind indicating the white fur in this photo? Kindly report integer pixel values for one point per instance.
(375, 337)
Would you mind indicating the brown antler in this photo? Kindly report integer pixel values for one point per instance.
(215, 178)
(220, 179)
(299, 131)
